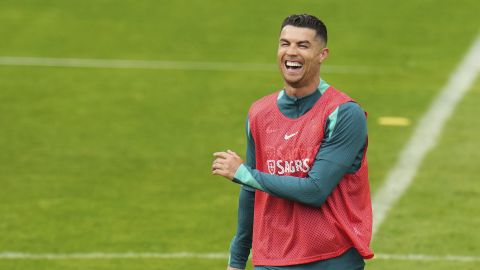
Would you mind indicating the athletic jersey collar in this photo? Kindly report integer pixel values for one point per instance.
(293, 107)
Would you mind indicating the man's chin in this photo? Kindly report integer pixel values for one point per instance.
(294, 82)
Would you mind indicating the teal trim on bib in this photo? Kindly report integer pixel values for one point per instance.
(245, 177)
(323, 86)
(332, 118)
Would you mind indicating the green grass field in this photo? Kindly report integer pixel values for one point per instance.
(118, 160)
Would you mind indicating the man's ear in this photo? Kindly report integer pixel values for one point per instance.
(323, 55)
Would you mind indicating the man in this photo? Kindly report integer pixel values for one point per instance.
(305, 198)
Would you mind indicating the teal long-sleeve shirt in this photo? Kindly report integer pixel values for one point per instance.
(341, 152)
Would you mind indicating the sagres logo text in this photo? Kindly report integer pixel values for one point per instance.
(281, 167)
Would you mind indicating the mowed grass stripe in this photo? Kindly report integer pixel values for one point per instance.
(425, 135)
(439, 213)
(167, 65)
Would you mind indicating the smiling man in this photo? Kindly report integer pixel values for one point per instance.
(305, 198)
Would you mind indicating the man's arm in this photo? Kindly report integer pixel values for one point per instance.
(242, 242)
(312, 190)
(342, 146)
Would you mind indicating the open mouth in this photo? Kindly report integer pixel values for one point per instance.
(293, 65)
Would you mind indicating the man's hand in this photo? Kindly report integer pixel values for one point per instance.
(226, 164)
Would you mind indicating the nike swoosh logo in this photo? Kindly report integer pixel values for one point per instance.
(288, 136)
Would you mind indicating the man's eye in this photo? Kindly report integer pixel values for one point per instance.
(283, 44)
(303, 46)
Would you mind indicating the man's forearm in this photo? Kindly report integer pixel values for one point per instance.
(312, 190)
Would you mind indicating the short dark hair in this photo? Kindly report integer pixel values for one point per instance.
(307, 21)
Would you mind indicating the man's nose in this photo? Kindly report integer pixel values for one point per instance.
(292, 50)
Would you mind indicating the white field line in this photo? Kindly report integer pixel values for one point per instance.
(165, 65)
(103, 256)
(425, 136)
(211, 256)
(423, 257)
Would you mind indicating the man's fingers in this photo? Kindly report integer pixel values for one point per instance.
(226, 155)
(226, 164)
(218, 164)
(233, 153)
(221, 155)
(219, 172)
(217, 161)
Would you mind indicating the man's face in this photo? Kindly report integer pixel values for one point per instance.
(300, 53)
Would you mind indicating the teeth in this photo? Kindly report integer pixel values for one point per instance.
(293, 64)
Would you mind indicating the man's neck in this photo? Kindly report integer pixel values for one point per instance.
(302, 90)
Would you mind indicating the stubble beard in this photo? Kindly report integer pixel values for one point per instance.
(302, 81)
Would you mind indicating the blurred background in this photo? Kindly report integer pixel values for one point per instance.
(110, 112)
